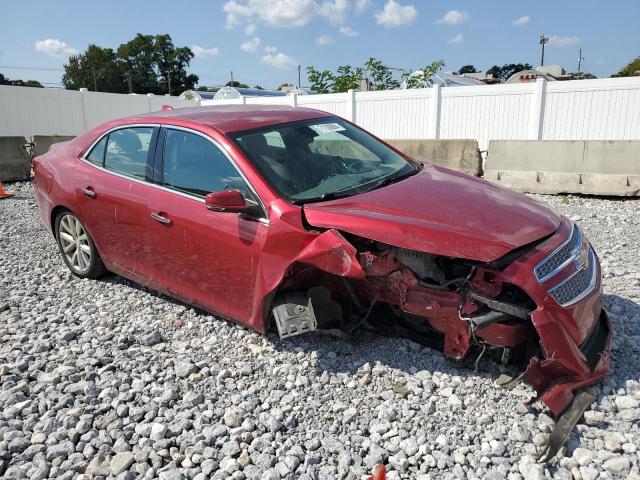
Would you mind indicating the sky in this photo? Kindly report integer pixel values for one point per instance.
(263, 41)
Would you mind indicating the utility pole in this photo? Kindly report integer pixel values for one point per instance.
(95, 79)
(299, 83)
(232, 78)
(129, 80)
(543, 40)
(580, 60)
(169, 81)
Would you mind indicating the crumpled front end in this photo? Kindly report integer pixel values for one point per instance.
(574, 331)
(538, 306)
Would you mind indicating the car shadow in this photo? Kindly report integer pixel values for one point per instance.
(349, 354)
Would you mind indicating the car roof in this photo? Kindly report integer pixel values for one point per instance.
(233, 118)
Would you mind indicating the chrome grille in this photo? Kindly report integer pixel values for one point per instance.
(560, 257)
(578, 285)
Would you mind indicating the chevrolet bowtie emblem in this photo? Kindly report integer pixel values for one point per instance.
(582, 259)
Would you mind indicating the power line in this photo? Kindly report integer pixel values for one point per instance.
(51, 69)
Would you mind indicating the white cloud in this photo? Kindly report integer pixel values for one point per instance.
(395, 15)
(522, 21)
(335, 10)
(202, 52)
(457, 39)
(55, 48)
(348, 31)
(270, 49)
(324, 40)
(250, 29)
(557, 41)
(362, 5)
(280, 60)
(454, 17)
(251, 45)
(276, 13)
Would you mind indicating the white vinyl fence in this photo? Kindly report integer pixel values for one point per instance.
(26, 111)
(602, 109)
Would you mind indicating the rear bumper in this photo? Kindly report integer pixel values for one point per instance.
(556, 385)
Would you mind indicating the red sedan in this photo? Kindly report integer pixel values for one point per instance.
(296, 219)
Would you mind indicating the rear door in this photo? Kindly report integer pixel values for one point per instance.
(201, 255)
(112, 185)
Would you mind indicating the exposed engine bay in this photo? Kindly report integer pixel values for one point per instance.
(403, 288)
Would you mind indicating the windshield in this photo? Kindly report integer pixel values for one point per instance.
(321, 159)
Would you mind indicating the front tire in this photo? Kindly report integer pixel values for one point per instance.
(77, 248)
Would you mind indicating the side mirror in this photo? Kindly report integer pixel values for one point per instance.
(226, 201)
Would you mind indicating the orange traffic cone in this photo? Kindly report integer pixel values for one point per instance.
(379, 473)
(4, 194)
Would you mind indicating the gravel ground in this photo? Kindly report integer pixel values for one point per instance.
(108, 379)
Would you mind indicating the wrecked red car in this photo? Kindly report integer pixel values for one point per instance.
(297, 220)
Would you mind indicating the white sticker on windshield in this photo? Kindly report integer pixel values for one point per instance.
(328, 127)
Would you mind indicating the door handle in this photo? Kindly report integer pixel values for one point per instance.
(161, 219)
(88, 192)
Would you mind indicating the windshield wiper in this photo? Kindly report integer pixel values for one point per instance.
(325, 197)
(391, 179)
(359, 189)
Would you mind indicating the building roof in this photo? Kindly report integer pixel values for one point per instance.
(233, 118)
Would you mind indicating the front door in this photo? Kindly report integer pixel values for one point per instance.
(197, 254)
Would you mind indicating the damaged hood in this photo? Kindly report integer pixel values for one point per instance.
(440, 211)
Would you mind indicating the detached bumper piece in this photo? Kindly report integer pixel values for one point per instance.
(565, 425)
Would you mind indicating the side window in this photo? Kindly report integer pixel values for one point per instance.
(194, 165)
(97, 153)
(127, 151)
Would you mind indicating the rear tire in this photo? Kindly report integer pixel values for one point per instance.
(77, 248)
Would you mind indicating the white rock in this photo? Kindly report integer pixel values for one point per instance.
(626, 402)
(618, 466)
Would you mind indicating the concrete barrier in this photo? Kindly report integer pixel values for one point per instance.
(43, 142)
(15, 163)
(565, 166)
(461, 155)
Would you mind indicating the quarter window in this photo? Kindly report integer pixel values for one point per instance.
(97, 153)
(194, 165)
(127, 151)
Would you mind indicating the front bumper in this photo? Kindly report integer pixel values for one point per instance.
(573, 330)
(555, 384)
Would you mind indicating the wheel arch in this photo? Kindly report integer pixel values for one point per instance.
(55, 211)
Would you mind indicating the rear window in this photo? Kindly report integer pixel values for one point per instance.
(97, 153)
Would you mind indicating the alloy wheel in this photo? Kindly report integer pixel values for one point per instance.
(75, 245)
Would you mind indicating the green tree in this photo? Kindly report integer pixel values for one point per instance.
(422, 78)
(508, 69)
(145, 64)
(632, 69)
(381, 75)
(171, 64)
(346, 78)
(320, 81)
(236, 84)
(139, 64)
(19, 83)
(467, 69)
(97, 69)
